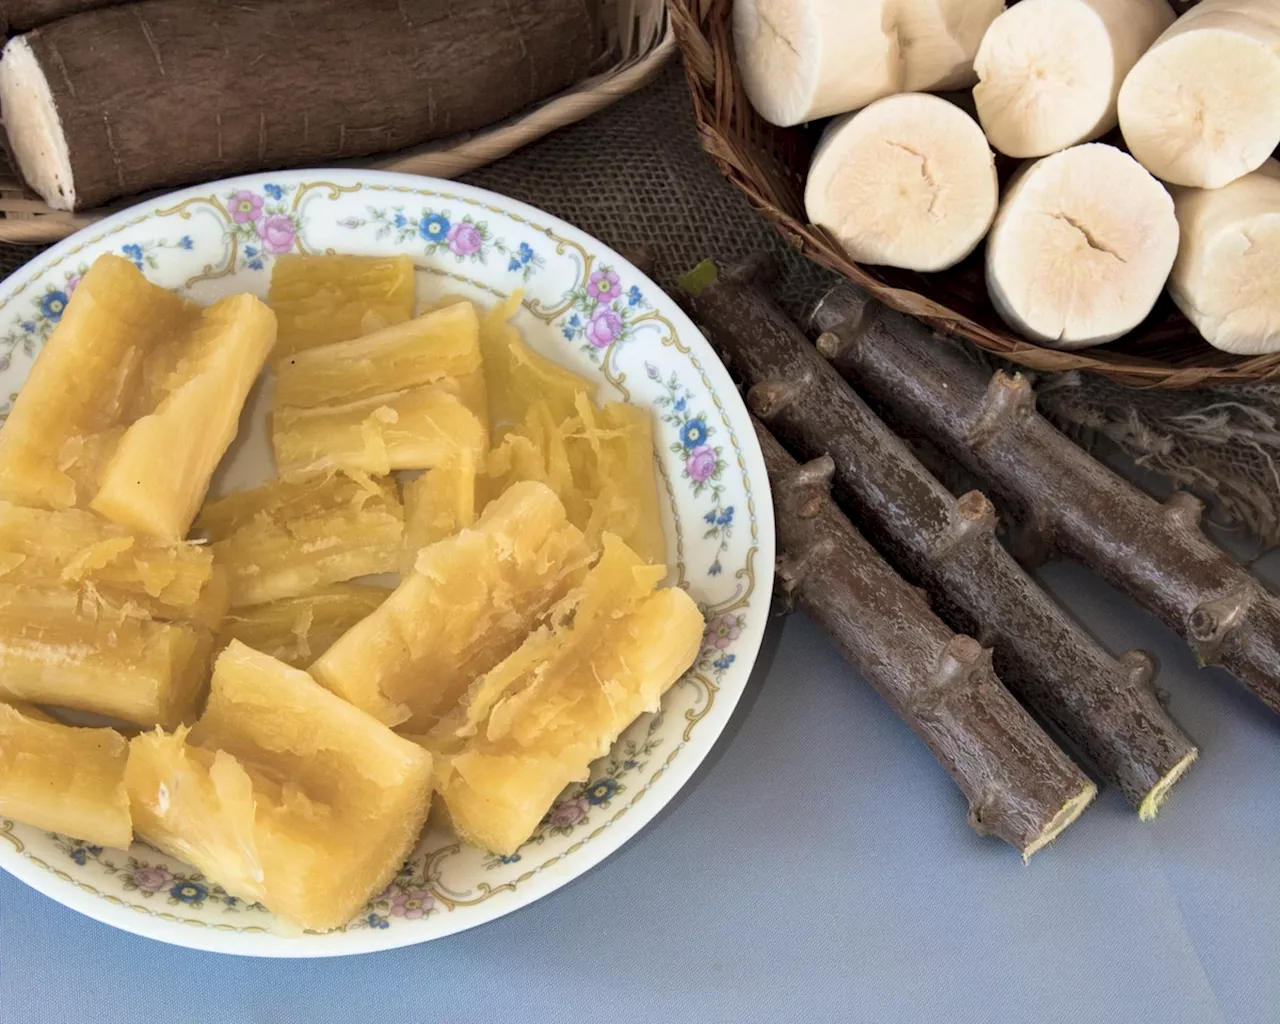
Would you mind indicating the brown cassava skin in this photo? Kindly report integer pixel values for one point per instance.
(1156, 553)
(166, 92)
(941, 684)
(20, 15)
(1107, 707)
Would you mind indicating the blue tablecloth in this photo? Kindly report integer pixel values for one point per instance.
(819, 868)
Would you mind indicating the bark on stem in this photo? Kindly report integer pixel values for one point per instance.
(1155, 553)
(1020, 786)
(1107, 707)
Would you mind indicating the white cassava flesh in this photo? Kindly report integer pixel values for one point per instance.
(1226, 278)
(1081, 247)
(34, 127)
(804, 59)
(938, 41)
(907, 182)
(1200, 107)
(1049, 71)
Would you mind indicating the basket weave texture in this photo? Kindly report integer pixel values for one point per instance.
(769, 165)
(642, 37)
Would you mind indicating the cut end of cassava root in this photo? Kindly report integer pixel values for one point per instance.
(34, 127)
(1081, 247)
(907, 182)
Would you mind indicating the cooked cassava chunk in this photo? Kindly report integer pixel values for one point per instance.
(470, 601)
(296, 630)
(80, 550)
(535, 722)
(79, 393)
(186, 410)
(282, 792)
(64, 779)
(78, 651)
(288, 539)
(417, 428)
(438, 504)
(320, 300)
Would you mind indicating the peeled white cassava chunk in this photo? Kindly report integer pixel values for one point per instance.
(908, 182)
(938, 40)
(1081, 247)
(1226, 278)
(1049, 71)
(1200, 107)
(805, 59)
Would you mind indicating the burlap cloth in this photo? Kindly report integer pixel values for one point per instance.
(634, 177)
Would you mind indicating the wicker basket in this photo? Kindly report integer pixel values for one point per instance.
(769, 164)
(642, 37)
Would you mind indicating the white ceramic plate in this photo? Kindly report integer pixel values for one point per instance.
(585, 307)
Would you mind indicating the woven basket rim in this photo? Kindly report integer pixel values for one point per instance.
(26, 219)
(726, 125)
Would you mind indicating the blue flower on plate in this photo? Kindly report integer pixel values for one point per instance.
(634, 298)
(400, 220)
(274, 191)
(710, 517)
(134, 253)
(53, 304)
(189, 892)
(230, 901)
(602, 791)
(509, 859)
(629, 764)
(513, 264)
(377, 921)
(186, 242)
(681, 404)
(725, 517)
(525, 252)
(434, 227)
(724, 661)
(250, 251)
(714, 569)
(79, 856)
(28, 327)
(693, 433)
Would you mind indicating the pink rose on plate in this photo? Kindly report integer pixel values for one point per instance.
(702, 462)
(152, 879)
(245, 207)
(277, 233)
(464, 238)
(604, 327)
(568, 812)
(413, 904)
(722, 631)
(602, 286)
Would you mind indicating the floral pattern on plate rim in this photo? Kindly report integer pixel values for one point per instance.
(419, 892)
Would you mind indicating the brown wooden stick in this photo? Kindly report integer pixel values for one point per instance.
(1107, 708)
(1155, 553)
(166, 92)
(1020, 786)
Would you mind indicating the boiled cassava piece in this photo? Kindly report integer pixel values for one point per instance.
(1107, 708)
(116, 101)
(1155, 553)
(1021, 788)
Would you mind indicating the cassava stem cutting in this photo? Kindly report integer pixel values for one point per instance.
(1155, 553)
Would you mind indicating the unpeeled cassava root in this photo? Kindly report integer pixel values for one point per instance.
(1021, 788)
(1199, 107)
(21, 15)
(1155, 553)
(907, 182)
(115, 101)
(805, 59)
(1081, 247)
(1049, 71)
(1107, 707)
(1225, 276)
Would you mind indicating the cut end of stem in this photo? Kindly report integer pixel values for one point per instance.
(1071, 810)
(700, 278)
(1152, 802)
